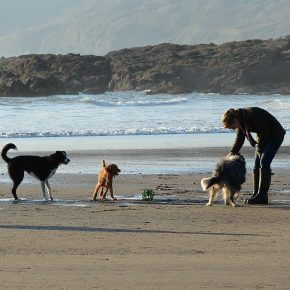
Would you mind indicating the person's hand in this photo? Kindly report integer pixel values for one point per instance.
(230, 154)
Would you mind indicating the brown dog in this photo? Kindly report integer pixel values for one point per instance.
(105, 180)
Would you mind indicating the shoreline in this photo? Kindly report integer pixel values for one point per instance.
(141, 154)
(152, 161)
(126, 142)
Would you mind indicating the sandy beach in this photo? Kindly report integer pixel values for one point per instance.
(165, 90)
(174, 242)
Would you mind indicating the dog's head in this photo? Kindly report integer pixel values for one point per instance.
(113, 169)
(236, 157)
(60, 157)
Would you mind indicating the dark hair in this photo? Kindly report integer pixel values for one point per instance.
(229, 117)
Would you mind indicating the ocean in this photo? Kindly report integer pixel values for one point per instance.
(126, 121)
(127, 114)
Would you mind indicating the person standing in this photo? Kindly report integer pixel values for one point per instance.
(270, 135)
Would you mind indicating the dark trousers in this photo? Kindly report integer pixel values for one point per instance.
(264, 160)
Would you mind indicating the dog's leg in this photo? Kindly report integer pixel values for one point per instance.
(42, 185)
(14, 188)
(235, 196)
(96, 192)
(112, 194)
(17, 177)
(48, 190)
(227, 197)
(101, 192)
(105, 193)
(212, 193)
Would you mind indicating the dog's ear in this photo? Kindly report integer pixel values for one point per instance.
(113, 169)
(109, 168)
(104, 163)
(61, 153)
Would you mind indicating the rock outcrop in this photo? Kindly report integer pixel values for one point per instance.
(47, 74)
(253, 66)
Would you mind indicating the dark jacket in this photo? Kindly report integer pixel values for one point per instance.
(260, 121)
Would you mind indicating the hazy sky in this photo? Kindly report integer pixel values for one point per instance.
(19, 14)
(100, 26)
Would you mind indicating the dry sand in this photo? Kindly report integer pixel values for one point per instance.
(174, 242)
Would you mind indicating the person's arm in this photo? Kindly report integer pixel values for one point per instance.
(239, 141)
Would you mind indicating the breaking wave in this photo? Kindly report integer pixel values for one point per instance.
(127, 113)
(132, 103)
(112, 132)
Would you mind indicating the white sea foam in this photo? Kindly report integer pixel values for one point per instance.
(127, 113)
(132, 103)
(118, 132)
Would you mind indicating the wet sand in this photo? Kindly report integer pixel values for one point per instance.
(174, 242)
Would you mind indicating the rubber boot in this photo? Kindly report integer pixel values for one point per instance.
(265, 180)
(256, 179)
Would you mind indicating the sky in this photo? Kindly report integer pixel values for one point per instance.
(19, 14)
(100, 26)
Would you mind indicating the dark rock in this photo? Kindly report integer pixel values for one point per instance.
(93, 91)
(35, 75)
(14, 87)
(245, 67)
(253, 66)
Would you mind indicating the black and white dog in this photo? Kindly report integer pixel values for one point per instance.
(42, 168)
(228, 176)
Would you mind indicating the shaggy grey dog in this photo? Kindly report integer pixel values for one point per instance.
(228, 176)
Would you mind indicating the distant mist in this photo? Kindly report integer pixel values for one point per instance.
(98, 26)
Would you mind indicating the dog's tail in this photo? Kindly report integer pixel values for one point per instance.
(208, 182)
(104, 164)
(5, 150)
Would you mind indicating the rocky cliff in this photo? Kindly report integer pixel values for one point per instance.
(47, 74)
(253, 66)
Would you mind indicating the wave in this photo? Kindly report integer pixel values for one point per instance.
(112, 132)
(118, 132)
(103, 100)
(132, 103)
(277, 103)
